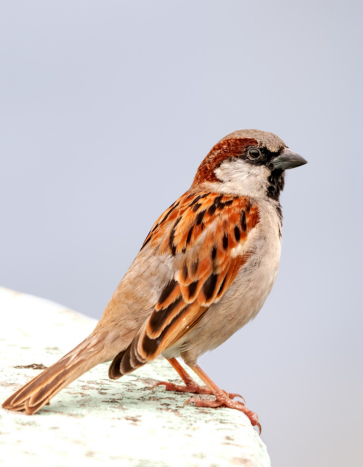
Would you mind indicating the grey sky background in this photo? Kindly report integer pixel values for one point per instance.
(107, 109)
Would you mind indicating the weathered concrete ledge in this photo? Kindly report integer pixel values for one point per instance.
(122, 422)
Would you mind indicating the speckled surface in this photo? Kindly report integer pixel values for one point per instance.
(96, 420)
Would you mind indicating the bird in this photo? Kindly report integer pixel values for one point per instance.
(203, 272)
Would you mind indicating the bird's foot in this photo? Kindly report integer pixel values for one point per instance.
(224, 400)
(192, 387)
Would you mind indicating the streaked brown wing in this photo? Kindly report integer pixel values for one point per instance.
(205, 232)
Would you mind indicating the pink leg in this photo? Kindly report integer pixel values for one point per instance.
(190, 384)
(222, 399)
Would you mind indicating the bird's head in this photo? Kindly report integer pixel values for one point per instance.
(247, 163)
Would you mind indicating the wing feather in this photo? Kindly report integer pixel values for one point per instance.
(205, 233)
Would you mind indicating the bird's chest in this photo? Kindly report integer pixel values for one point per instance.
(256, 277)
(247, 293)
(255, 281)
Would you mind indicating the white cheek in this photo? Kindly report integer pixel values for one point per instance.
(243, 178)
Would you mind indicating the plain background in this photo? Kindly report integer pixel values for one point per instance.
(107, 109)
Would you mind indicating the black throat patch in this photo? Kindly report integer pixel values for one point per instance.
(276, 182)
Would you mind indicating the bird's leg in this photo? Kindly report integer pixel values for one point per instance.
(190, 384)
(222, 398)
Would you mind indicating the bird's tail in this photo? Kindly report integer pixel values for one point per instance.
(38, 392)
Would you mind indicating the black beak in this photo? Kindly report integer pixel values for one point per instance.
(288, 160)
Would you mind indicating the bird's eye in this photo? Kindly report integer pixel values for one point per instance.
(254, 154)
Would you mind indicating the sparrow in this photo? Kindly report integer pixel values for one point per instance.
(204, 270)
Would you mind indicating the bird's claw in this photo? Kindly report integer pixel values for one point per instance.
(224, 400)
(193, 388)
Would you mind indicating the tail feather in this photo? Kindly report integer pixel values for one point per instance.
(38, 392)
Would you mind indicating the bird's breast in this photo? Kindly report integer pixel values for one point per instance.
(247, 294)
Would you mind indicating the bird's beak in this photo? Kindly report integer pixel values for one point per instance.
(288, 160)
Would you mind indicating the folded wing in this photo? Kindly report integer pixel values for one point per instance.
(206, 235)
